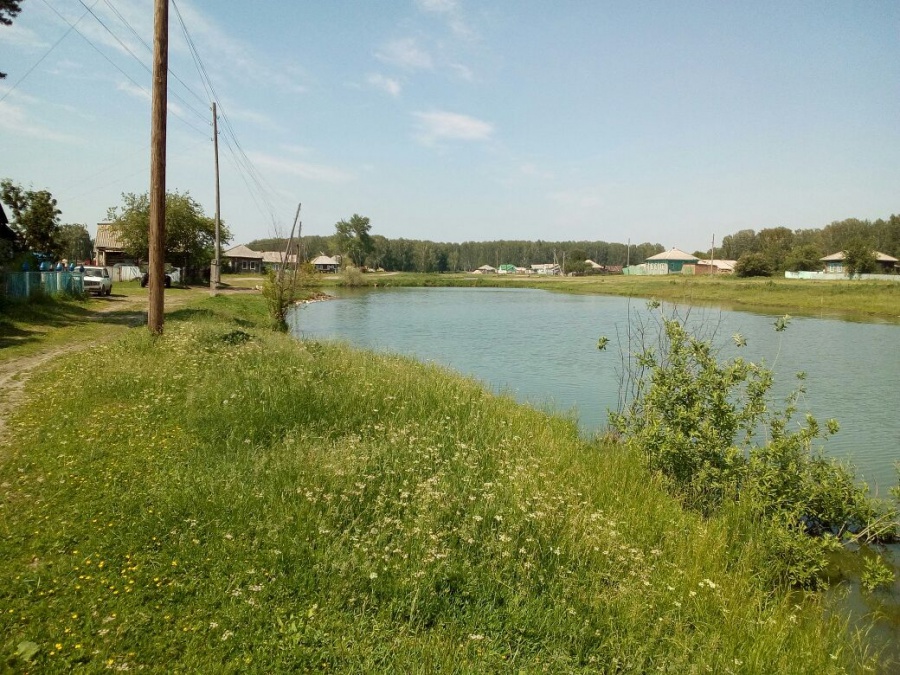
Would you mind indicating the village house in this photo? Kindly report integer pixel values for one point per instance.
(669, 262)
(324, 263)
(242, 259)
(834, 263)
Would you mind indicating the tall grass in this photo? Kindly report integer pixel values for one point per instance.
(224, 499)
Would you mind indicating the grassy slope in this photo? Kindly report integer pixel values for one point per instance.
(851, 299)
(225, 499)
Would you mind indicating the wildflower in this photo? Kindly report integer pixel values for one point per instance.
(476, 636)
(373, 575)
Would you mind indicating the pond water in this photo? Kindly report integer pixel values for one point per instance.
(541, 347)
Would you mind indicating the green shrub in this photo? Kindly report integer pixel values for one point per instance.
(708, 425)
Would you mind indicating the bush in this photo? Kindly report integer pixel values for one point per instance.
(352, 276)
(753, 265)
(708, 426)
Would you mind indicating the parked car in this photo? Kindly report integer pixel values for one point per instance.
(97, 280)
(145, 279)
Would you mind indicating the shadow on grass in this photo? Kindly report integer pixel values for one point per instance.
(195, 314)
(21, 323)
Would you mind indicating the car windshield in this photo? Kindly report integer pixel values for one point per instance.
(93, 271)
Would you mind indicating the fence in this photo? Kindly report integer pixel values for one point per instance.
(833, 276)
(26, 284)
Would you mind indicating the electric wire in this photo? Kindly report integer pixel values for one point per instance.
(124, 46)
(46, 54)
(138, 37)
(119, 68)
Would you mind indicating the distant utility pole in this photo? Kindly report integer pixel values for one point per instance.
(156, 305)
(214, 271)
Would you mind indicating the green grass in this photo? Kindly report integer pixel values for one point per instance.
(857, 300)
(225, 499)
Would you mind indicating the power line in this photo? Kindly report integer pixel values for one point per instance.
(137, 58)
(244, 165)
(47, 53)
(150, 49)
(117, 67)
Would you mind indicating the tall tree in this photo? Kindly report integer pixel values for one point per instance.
(35, 218)
(859, 258)
(190, 235)
(75, 242)
(352, 238)
(9, 9)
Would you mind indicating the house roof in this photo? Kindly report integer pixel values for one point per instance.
(241, 251)
(108, 238)
(324, 260)
(544, 266)
(674, 254)
(879, 256)
(721, 264)
(487, 268)
(593, 265)
(277, 257)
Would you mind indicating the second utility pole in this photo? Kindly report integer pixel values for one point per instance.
(215, 270)
(156, 306)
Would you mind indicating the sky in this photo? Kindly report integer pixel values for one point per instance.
(463, 120)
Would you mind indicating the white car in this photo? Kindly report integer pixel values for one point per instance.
(97, 280)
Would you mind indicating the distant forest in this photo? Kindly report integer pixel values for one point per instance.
(414, 255)
(783, 248)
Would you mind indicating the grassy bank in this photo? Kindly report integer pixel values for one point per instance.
(846, 299)
(224, 499)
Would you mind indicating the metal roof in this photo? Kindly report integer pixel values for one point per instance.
(241, 251)
(879, 256)
(674, 254)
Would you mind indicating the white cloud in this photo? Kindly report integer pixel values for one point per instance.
(405, 53)
(23, 37)
(387, 84)
(439, 6)
(451, 12)
(144, 95)
(463, 72)
(317, 172)
(440, 125)
(15, 120)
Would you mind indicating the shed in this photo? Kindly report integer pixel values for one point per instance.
(670, 261)
(506, 269)
(109, 248)
(486, 269)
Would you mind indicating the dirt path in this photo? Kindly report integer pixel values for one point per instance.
(130, 310)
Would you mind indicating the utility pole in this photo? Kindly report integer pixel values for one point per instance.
(156, 304)
(712, 256)
(628, 254)
(214, 272)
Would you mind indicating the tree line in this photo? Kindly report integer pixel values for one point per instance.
(779, 249)
(421, 255)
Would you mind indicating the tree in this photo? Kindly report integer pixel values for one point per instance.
(859, 258)
(75, 242)
(753, 265)
(806, 258)
(8, 10)
(353, 240)
(190, 235)
(35, 218)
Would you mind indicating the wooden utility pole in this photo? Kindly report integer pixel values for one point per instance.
(155, 310)
(215, 270)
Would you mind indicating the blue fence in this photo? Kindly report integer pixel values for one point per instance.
(26, 284)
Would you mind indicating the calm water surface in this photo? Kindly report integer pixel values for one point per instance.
(541, 348)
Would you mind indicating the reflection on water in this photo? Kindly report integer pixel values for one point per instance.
(541, 347)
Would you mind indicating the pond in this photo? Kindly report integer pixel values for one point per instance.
(541, 347)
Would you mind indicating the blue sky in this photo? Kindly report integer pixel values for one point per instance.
(456, 120)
